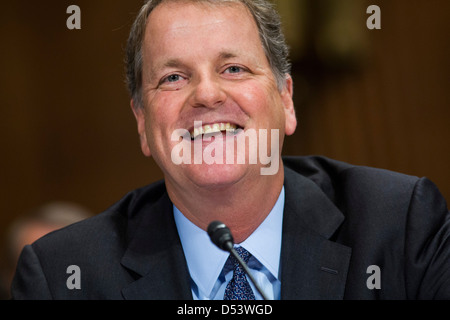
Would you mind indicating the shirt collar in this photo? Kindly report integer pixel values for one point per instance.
(205, 261)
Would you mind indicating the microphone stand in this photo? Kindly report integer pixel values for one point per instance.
(221, 236)
(247, 270)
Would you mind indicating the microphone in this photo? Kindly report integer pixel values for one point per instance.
(221, 236)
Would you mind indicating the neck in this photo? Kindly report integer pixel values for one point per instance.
(242, 211)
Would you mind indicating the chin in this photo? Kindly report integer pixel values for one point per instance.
(218, 176)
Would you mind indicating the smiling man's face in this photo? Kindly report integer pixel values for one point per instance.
(205, 63)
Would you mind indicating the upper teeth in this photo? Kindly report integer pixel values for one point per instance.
(213, 128)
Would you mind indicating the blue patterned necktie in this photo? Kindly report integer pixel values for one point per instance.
(238, 288)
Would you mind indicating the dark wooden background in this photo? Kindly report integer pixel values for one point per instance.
(67, 132)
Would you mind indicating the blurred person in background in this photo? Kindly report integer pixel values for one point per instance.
(29, 228)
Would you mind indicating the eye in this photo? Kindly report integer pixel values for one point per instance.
(172, 81)
(172, 78)
(233, 69)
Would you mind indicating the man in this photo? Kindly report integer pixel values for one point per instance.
(205, 76)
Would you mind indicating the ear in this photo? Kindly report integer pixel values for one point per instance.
(139, 114)
(286, 96)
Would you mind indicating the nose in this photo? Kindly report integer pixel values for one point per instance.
(208, 92)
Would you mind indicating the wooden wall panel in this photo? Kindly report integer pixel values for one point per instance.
(394, 111)
(67, 132)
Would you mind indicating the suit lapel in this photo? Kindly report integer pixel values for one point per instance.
(156, 257)
(312, 266)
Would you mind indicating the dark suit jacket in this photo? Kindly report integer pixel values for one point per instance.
(339, 219)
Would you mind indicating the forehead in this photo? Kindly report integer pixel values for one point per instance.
(188, 26)
(177, 13)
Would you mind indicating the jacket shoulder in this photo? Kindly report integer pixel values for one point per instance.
(109, 225)
(95, 245)
(336, 177)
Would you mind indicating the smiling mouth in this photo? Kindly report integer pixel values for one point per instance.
(210, 129)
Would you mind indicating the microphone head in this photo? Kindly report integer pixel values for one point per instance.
(220, 235)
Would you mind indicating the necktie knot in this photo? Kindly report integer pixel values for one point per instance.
(238, 288)
(244, 254)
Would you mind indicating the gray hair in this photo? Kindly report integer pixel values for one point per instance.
(267, 20)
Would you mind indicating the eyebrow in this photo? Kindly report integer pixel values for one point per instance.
(223, 55)
(172, 63)
(227, 55)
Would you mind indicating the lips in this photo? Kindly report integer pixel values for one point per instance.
(218, 127)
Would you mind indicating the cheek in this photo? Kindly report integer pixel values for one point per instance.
(162, 119)
(162, 112)
(263, 105)
(252, 99)
(155, 120)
